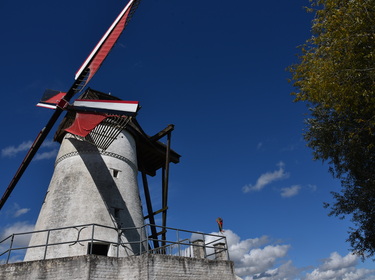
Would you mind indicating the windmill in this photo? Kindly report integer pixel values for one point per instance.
(103, 148)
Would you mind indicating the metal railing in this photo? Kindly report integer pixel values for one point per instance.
(185, 243)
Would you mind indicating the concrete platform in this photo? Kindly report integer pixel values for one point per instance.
(146, 266)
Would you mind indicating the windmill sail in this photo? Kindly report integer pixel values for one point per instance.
(51, 98)
(84, 123)
(112, 106)
(83, 76)
(101, 50)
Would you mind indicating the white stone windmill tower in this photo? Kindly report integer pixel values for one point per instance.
(95, 178)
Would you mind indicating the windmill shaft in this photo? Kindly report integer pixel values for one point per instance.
(39, 140)
(29, 156)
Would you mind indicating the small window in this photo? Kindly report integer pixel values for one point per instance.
(98, 249)
(115, 173)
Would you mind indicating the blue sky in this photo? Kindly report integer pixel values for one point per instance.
(215, 69)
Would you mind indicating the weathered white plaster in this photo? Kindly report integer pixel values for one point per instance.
(90, 186)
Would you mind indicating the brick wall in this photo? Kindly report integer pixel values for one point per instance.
(147, 266)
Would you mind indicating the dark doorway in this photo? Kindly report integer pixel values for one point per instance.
(98, 249)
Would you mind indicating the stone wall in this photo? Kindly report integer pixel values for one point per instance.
(147, 266)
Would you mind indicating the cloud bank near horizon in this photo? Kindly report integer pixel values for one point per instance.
(263, 258)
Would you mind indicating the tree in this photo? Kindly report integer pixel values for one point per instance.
(335, 76)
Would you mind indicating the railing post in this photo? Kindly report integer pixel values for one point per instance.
(10, 247)
(178, 242)
(146, 234)
(46, 246)
(140, 239)
(92, 238)
(118, 240)
(226, 247)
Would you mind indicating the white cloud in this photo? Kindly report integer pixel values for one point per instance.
(312, 188)
(19, 240)
(261, 259)
(291, 191)
(264, 259)
(254, 255)
(15, 211)
(12, 151)
(267, 178)
(335, 261)
(340, 268)
(49, 143)
(285, 271)
(46, 155)
(16, 228)
(21, 211)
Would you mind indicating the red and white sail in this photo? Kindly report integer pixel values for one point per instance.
(84, 123)
(101, 50)
(119, 106)
(51, 98)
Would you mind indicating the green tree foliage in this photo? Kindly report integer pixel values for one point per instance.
(336, 77)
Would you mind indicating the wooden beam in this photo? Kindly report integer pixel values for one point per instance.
(165, 183)
(157, 212)
(159, 233)
(149, 209)
(162, 133)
